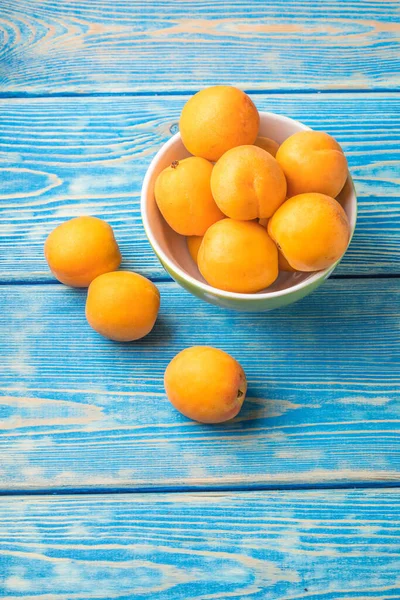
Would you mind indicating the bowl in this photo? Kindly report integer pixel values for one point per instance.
(172, 251)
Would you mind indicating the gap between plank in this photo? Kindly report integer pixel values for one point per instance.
(82, 491)
(166, 279)
(139, 93)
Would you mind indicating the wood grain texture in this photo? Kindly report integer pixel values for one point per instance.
(79, 411)
(320, 545)
(64, 157)
(130, 46)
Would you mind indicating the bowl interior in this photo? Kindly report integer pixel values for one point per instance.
(171, 247)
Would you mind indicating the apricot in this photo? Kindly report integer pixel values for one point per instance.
(79, 250)
(217, 119)
(238, 256)
(248, 183)
(183, 195)
(311, 230)
(313, 161)
(122, 306)
(205, 384)
(194, 243)
(283, 263)
(270, 146)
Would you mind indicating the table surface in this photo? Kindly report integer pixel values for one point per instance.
(106, 492)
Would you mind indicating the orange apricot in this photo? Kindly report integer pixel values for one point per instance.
(311, 230)
(194, 243)
(238, 256)
(80, 249)
(217, 119)
(270, 146)
(313, 161)
(183, 195)
(283, 263)
(122, 306)
(205, 384)
(248, 183)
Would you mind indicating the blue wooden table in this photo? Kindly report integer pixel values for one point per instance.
(106, 492)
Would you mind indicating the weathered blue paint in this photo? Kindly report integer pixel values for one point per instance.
(323, 399)
(80, 413)
(67, 157)
(122, 46)
(322, 545)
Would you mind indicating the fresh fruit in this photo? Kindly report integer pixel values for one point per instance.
(311, 231)
(205, 384)
(122, 306)
(217, 119)
(79, 250)
(248, 183)
(313, 161)
(268, 145)
(283, 263)
(183, 195)
(238, 256)
(194, 243)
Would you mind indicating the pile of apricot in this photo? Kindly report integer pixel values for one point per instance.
(249, 207)
(203, 383)
(120, 305)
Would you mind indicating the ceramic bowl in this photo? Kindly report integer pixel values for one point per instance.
(172, 251)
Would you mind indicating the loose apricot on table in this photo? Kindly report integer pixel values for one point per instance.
(313, 161)
(80, 249)
(238, 256)
(311, 230)
(270, 146)
(217, 119)
(248, 183)
(193, 244)
(205, 384)
(122, 306)
(183, 195)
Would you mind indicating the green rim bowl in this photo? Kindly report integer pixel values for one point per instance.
(171, 248)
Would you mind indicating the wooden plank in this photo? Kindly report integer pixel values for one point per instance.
(79, 411)
(63, 157)
(324, 545)
(124, 46)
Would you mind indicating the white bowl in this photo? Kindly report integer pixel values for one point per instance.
(172, 251)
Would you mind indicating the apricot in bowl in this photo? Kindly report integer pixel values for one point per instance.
(312, 231)
(183, 195)
(217, 119)
(172, 249)
(238, 256)
(270, 146)
(248, 183)
(193, 244)
(314, 162)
